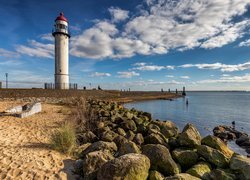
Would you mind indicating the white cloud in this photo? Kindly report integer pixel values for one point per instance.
(161, 26)
(245, 43)
(149, 67)
(170, 76)
(225, 75)
(8, 54)
(185, 77)
(118, 14)
(127, 74)
(229, 79)
(99, 74)
(36, 49)
(220, 66)
(47, 37)
(229, 35)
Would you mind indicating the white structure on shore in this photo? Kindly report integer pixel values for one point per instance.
(61, 34)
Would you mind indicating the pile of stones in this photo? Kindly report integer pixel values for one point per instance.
(129, 144)
(227, 133)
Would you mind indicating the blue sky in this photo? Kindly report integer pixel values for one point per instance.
(136, 44)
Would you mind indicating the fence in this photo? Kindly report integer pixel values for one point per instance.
(60, 86)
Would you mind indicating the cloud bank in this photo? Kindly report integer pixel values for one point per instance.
(162, 26)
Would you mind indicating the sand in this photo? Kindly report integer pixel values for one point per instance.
(24, 150)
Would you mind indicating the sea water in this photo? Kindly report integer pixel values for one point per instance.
(204, 109)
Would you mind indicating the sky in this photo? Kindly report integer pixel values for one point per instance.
(136, 44)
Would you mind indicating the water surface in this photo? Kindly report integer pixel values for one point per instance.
(205, 110)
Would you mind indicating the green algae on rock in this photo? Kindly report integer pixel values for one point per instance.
(127, 167)
(200, 170)
(160, 159)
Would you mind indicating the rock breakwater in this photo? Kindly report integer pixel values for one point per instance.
(129, 144)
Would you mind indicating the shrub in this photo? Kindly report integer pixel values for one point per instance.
(63, 139)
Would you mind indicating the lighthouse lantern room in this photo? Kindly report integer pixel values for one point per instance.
(61, 34)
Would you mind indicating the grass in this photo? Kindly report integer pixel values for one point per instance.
(63, 139)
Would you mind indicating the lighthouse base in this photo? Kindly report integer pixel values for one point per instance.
(61, 81)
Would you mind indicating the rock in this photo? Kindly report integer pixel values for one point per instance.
(100, 146)
(241, 164)
(88, 137)
(153, 128)
(104, 113)
(93, 161)
(128, 115)
(119, 140)
(185, 157)
(155, 175)
(160, 159)
(129, 125)
(155, 139)
(190, 136)
(138, 139)
(128, 147)
(182, 176)
(121, 132)
(200, 170)
(242, 140)
(213, 156)
(81, 148)
(138, 120)
(167, 128)
(148, 115)
(78, 166)
(127, 167)
(222, 174)
(108, 136)
(130, 135)
(218, 144)
(173, 142)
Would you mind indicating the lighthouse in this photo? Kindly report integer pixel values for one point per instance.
(61, 34)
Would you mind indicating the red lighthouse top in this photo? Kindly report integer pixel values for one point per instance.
(61, 17)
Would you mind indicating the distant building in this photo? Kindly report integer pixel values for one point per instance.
(61, 34)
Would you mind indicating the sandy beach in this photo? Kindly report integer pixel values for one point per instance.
(24, 150)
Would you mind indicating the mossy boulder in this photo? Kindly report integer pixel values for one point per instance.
(218, 144)
(241, 164)
(160, 159)
(128, 115)
(182, 176)
(121, 131)
(130, 135)
(93, 161)
(155, 139)
(185, 157)
(222, 174)
(138, 139)
(155, 175)
(127, 167)
(87, 137)
(190, 136)
(167, 128)
(100, 146)
(128, 147)
(213, 156)
(200, 170)
(129, 125)
(119, 140)
(108, 136)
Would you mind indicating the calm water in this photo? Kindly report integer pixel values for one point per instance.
(205, 110)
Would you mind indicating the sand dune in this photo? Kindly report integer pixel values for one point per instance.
(24, 150)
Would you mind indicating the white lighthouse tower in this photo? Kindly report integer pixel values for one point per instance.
(61, 34)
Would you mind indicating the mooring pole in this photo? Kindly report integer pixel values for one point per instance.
(6, 74)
